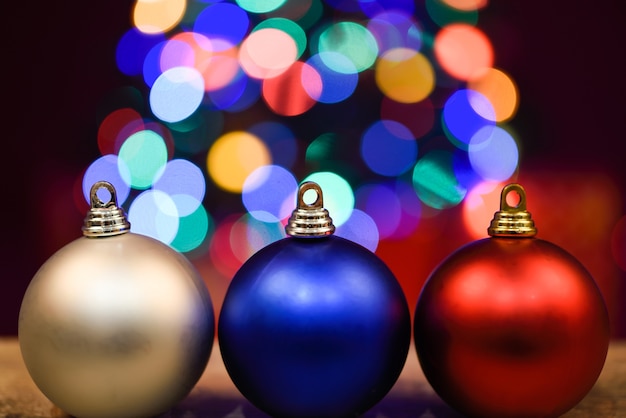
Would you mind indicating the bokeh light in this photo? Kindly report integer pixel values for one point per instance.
(291, 28)
(360, 228)
(157, 16)
(280, 141)
(132, 49)
(106, 168)
(338, 195)
(184, 182)
(395, 29)
(294, 91)
(176, 94)
(383, 206)
(392, 106)
(461, 118)
(333, 86)
(233, 157)
(443, 14)
(248, 235)
(411, 210)
(352, 40)
(269, 193)
(500, 89)
(404, 75)
(144, 154)
(267, 53)
(463, 51)
(374, 7)
(479, 206)
(193, 230)
(116, 127)
(224, 23)
(388, 148)
(220, 251)
(260, 6)
(153, 213)
(435, 182)
(493, 153)
(466, 4)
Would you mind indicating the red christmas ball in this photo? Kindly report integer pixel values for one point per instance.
(512, 325)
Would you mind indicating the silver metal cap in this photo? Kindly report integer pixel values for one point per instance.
(104, 219)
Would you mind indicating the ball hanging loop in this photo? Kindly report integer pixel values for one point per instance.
(512, 220)
(310, 220)
(104, 219)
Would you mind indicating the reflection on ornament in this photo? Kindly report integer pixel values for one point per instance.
(115, 324)
(314, 325)
(511, 326)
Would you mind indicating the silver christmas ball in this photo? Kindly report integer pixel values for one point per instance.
(115, 324)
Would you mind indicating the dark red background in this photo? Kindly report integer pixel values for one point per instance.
(568, 59)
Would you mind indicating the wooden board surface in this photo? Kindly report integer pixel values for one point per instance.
(215, 396)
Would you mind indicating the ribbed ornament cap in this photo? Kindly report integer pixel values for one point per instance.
(104, 219)
(512, 221)
(310, 220)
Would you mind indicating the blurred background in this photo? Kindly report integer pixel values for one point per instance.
(411, 115)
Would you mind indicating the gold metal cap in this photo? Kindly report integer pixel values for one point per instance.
(104, 219)
(310, 220)
(512, 221)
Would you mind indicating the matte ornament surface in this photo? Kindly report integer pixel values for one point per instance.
(314, 327)
(119, 325)
(511, 327)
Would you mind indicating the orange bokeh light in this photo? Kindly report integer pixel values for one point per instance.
(500, 89)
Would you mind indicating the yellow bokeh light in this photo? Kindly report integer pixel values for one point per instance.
(158, 16)
(500, 89)
(233, 157)
(405, 75)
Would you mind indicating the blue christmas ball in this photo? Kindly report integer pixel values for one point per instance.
(314, 327)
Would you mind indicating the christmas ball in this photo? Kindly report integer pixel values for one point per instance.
(115, 324)
(314, 325)
(511, 325)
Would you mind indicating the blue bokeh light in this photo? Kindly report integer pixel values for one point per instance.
(153, 213)
(269, 193)
(388, 148)
(176, 94)
(132, 49)
(461, 119)
(223, 22)
(493, 154)
(336, 86)
(106, 168)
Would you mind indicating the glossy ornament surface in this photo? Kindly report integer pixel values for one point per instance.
(511, 325)
(314, 325)
(115, 324)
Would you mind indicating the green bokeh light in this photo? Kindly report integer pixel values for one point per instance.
(144, 154)
(443, 15)
(260, 6)
(337, 193)
(192, 230)
(434, 180)
(352, 40)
